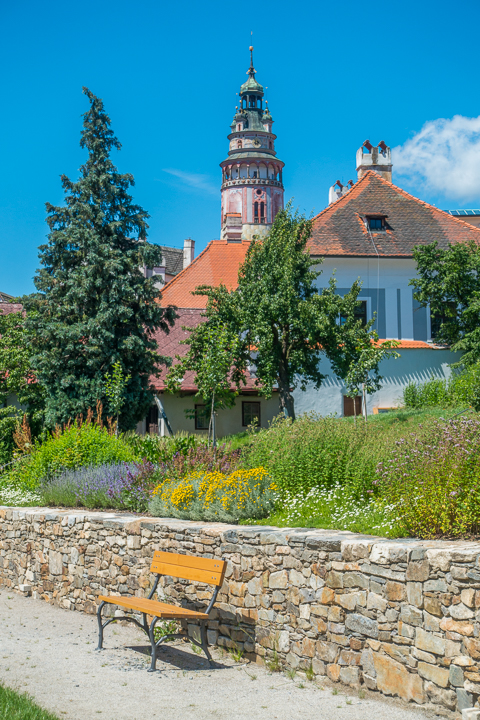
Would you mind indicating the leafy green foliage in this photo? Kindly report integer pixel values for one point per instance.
(115, 384)
(75, 446)
(17, 382)
(285, 324)
(449, 281)
(20, 706)
(94, 306)
(462, 389)
(216, 355)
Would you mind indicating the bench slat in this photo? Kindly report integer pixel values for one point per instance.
(188, 567)
(152, 607)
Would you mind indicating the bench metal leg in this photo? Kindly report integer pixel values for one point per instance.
(100, 626)
(151, 633)
(203, 637)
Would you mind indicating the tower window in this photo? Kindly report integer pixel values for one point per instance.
(255, 212)
(239, 143)
(259, 192)
(270, 145)
(376, 223)
(253, 101)
(262, 212)
(255, 174)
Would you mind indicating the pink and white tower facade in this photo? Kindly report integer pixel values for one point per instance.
(252, 186)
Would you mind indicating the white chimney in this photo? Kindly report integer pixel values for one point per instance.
(338, 190)
(374, 158)
(188, 251)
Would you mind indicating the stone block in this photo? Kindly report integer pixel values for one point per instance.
(334, 579)
(441, 696)
(463, 660)
(362, 625)
(472, 646)
(418, 571)
(318, 667)
(415, 594)
(326, 651)
(326, 596)
(472, 687)
(134, 542)
(333, 672)
(468, 597)
(429, 642)
(430, 622)
(395, 591)
(456, 676)
(434, 673)
(461, 612)
(464, 699)
(411, 615)
(471, 714)
(461, 627)
(367, 663)
(348, 657)
(433, 606)
(394, 679)
(376, 602)
(370, 682)
(354, 580)
(278, 580)
(350, 676)
(283, 641)
(386, 553)
(406, 631)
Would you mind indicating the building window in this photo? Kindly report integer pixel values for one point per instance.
(437, 319)
(239, 143)
(360, 313)
(262, 212)
(376, 223)
(270, 145)
(250, 413)
(255, 212)
(255, 174)
(202, 417)
(349, 409)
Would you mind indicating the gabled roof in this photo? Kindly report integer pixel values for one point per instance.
(340, 229)
(218, 263)
(5, 298)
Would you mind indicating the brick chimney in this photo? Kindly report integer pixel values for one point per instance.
(188, 251)
(374, 158)
(338, 190)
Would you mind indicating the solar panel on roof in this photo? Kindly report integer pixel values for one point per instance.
(475, 213)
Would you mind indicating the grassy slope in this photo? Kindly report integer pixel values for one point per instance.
(16, 706)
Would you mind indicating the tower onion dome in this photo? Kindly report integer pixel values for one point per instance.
(251, 86)
(266, 117)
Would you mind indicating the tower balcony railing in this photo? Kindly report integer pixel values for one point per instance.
(251, 181)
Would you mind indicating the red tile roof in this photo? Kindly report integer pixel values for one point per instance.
(340, 230)
(218, 263)
(169, 345)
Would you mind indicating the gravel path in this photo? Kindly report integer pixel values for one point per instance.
(50, 653)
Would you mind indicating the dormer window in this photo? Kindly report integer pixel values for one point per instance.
(376, 223)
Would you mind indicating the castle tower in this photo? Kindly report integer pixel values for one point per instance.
(252, 189)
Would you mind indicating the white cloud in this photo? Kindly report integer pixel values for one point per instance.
(194, 180)
(444, 156)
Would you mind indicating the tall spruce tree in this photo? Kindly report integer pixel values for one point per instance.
(94, 307)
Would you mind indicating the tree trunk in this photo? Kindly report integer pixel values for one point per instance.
(355, 410)
(287, 405)
(212, 419)
(364, 403)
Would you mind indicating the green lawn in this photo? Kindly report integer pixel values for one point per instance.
(17, 706)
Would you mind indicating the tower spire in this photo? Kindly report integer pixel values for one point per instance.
(251, 70)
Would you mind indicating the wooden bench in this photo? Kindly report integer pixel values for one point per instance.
(203, 570)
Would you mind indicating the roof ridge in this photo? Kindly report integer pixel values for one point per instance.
(339, 200)
(372, 174)
(422, 202)
(183, 270)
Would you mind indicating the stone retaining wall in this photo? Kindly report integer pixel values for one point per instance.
(401, 617)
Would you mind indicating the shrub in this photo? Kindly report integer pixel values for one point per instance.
(215, 496)
(461, 389)
(125, 486)
(435, 485)
(81, 445)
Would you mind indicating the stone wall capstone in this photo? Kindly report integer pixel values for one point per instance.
(398, 616)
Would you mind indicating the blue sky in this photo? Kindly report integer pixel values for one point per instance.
(337, 74)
